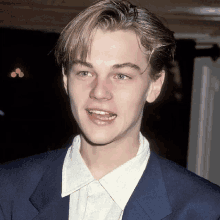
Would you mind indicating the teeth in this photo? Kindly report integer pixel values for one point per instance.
(100, 112)
(112, 117)
(106, 118)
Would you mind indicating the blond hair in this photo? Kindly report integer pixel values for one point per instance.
(111, 15)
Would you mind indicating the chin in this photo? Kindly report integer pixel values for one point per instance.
(98, 138)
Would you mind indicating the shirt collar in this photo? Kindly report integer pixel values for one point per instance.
(119, 183)
(75, 173)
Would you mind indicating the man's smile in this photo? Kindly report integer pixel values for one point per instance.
(101, 112)
(101, 117)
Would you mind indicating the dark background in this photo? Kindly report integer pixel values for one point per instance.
(37, 114)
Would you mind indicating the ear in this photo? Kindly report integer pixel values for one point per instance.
(64, 80)
(155, 88)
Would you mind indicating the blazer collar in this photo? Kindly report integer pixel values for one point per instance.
(149, 200)
(47, 196)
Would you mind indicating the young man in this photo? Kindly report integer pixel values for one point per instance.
(113, 58)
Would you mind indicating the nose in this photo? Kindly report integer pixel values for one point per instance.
(101, 90)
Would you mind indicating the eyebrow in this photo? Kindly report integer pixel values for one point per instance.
(115, 66)
(131, 65)
(80, 62)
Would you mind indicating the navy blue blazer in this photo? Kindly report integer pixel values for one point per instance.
(30, 189)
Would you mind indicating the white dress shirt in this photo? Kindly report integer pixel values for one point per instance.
(103, 199)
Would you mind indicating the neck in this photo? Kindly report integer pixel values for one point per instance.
(101, 160)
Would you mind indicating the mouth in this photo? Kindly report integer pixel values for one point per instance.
(101, 113)
(101, 117)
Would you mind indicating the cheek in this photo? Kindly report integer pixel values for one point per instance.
(132, 101)
(76, 96)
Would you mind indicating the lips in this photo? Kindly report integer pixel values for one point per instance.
(99, 110)
(101, 117)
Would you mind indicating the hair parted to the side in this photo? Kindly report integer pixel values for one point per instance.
(111, 15)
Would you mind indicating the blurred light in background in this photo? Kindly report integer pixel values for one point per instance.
(213, 12)
(13, 74)
(17, 72)
(2, 113)
(205, 10)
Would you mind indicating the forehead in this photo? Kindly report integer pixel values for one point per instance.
(116, 47)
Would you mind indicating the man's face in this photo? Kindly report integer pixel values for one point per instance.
(105, 84)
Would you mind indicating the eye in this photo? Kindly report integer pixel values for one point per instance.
(83, 73)
(122, 76)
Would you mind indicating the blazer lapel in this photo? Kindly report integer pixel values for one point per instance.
(149, 200)
(47, 196)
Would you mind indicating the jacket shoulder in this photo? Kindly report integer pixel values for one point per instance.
(185, 187)
(177, 175)
(25, 172)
